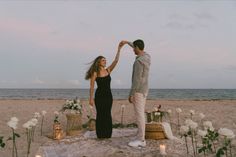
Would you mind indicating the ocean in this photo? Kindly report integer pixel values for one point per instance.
(167, 94)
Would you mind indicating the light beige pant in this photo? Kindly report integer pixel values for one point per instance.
(139, 101)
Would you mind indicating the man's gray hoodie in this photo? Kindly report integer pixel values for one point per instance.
(140, 74)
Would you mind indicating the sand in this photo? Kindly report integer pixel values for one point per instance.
(222, 113)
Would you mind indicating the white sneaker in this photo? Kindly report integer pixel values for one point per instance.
(137, 143)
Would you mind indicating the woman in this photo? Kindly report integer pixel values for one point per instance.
(103, 96)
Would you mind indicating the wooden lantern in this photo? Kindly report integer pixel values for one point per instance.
(57, 131)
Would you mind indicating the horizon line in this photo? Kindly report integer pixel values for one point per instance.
(116, 88)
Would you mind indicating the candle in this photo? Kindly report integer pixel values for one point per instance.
(163, 149)
(38, 156)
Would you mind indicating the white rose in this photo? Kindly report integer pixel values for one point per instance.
(56, 113)
(208, 125)
(202, 133)
(178, 110)
(44, 113)
(27, 125)
(169, 111)
(188, 122)
(34, 121)
(36, 115)
(227, 133)
(192, 112)
(155, 109)
(157, 113)
(14, 119)
(193, 125)
(184, 130)
(201, 115)
(71, 101)
(13, 123)
(31, 124)
(122, 106)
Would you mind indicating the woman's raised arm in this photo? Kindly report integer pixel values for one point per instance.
(115, 61)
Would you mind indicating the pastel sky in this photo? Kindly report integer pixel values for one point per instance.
(48, 44)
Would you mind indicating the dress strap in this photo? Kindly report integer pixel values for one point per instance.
(107, 71)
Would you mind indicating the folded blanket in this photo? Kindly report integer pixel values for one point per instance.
(168, 131)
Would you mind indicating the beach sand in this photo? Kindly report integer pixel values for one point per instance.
(222, 113)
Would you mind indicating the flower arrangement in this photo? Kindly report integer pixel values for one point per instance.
(72, 105)
(156, 115)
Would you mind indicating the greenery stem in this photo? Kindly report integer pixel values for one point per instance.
(42, 126)
(186, 142)
(194, 153)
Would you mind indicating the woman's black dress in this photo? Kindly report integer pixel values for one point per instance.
(103, 103)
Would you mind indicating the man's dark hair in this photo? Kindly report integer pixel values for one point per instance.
(139, 43)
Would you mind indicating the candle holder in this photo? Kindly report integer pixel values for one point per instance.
(57, 131)
(163, 149)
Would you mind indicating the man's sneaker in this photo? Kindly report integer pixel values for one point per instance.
(137, 143)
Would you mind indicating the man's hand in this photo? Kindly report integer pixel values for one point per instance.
(131, 99)
(124, 42)
(127, 42)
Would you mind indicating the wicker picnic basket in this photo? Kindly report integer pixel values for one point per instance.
(74, 124)
(154, 131)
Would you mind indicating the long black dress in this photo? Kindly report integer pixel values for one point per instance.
(103, 103)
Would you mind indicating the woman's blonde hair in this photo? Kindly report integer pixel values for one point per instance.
(94, 67)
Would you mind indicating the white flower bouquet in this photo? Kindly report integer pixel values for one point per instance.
(73, 105)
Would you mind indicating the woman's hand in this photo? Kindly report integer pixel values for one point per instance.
(91, 102)
(120, 45)
(131, 99)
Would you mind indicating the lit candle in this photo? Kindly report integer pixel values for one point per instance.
(38, 156)
(59, 136)
(163, 149)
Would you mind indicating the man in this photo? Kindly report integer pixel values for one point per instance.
(139, 88)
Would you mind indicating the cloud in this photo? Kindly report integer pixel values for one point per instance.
(8, 82)
(192, 21)
(74, 82)
(231, 67)
(204, 16)
(117, 82)
(48, 36)
(177, 25)
(26, 27)
(37, 81)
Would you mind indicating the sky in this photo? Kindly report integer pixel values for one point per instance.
(48, 44)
